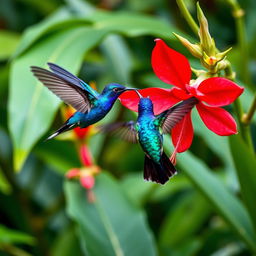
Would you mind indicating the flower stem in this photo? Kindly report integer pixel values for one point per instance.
(184, 10)
(245, 129)
(247, 118)
(238, 14)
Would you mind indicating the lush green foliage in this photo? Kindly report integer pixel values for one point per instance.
(208, 208)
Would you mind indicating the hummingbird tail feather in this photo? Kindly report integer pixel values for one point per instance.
(65, 127)
(159, 173)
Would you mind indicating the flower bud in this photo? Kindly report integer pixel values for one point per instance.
(207, 43)
(194, 49)
(221, 65)
(222, 55)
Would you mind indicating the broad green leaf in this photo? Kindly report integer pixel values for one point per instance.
(245, 163)
(111, 224)
(132, 24)
(8, 43)
(31, 106)
(184, 220)
(9, 236)
(127, 23)
(223, 201)
(178, 183)
(52, 152)
(137, 189)
(66, 244)
(188, 248)
(118, 57)
(219, 145)
(143, 191)
(57, 21)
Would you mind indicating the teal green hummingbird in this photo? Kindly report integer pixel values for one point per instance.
(91, 106)
(146, 131)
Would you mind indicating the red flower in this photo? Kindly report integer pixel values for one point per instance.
(212, 93)
(85, 174)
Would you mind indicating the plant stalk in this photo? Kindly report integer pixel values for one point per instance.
(247, 118)
(238, 14)
(184, 10)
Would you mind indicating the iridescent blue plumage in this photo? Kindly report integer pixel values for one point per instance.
(90, 105)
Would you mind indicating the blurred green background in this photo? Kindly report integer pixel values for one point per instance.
(207, 209)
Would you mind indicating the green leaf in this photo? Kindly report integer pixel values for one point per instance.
(111, 224)
(245, 163)
(53, 151)
(8, 43)
(143, 191)
(132, 24)
(126, 23)
(5, 187)
(223, 201)
(57, 21)
(66, 244)
(31, 106)
(184, 220)
(118, 57)
(9, 236)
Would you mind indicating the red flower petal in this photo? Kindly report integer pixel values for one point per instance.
(180, 94)
(182, 134)
(85, 156)
(170, 66)
(87, 181)
(161, 98)
(217, 120)
(73, 173)
(218, 91)
(81, 133)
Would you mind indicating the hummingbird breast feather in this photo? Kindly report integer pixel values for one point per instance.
(151, 142)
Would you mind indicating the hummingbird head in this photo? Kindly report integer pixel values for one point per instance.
(145, 104)
(114, 90)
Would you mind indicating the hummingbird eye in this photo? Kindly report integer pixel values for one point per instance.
(116, 89)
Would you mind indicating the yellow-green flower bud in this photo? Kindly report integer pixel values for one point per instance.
(222, 55)
(206, 40)
(209, 60)
(194, 49)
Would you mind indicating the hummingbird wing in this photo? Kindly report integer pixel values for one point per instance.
(70, 93)
(69, 77)
(169, 118)
(125, 130)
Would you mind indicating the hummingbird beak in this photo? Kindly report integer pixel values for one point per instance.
(129, 89)
(138, 93)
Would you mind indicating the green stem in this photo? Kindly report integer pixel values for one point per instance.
(238, 14)
(247, 118)
(187, 16)
(245, 129)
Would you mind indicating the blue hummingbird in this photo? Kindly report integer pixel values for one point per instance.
(90, 105)
(146, 131)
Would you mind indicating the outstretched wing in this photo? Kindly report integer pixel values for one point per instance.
(67, 91)
(169, 118)
(69, 77)
(125, 130)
